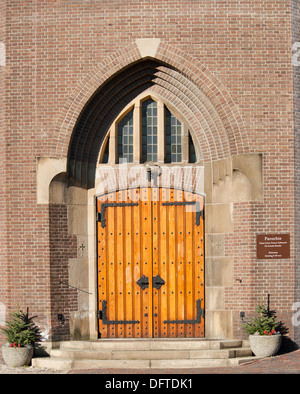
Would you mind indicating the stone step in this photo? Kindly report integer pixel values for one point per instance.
(149, 354)
(145, 354)
(195, 363)
(68, 364)
(125, 344)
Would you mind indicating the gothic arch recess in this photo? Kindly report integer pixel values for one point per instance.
(182, 83)
(192, 89)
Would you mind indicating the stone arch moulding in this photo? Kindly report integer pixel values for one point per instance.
(146, 64)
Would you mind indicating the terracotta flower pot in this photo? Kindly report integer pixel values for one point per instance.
(17, 357)
(265, 345)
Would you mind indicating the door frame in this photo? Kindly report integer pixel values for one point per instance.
(97, 251)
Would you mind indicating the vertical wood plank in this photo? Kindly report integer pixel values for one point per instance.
(128, 267)
(111, 270)
(171, 284)
(146, 252)
(189, 263)
(199, 266)
(155, 260)
(180, 244)
(163, 264)
(118, 266)
(102, 268)
(137, 273)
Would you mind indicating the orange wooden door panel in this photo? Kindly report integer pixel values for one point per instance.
(123, 257)
(143, 234)
(179, 247)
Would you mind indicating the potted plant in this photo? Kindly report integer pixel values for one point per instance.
(264, 332)
(21, 334)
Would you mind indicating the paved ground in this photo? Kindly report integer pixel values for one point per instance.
(5, 370)
(284, 364)
(288, 363)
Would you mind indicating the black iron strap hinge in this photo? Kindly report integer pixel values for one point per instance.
(99, 315)
(102, 316)
(101, 214)
(199, 213)
(200, 313)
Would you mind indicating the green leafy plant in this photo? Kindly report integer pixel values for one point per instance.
(20, 331)
(265, 323)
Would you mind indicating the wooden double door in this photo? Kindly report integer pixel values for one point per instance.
(150, 264)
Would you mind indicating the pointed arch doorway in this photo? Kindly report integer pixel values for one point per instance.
(216, 128)
(150, 263)
(150, 235)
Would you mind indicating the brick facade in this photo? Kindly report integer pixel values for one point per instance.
(296, 96)
(227, 67)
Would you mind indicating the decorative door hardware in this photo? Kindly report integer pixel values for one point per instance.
(143, 282)
(102, 316)
(199, 213)
(158, 282)
(199, 314)
(101, 215)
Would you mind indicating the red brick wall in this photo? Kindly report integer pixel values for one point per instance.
(56, 50)
(296, 80)
(254, 280)
(62, 247)
(3, 214)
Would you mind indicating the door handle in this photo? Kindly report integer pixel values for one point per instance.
(143, 282)
(158, 282)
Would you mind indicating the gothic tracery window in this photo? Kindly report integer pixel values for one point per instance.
(148, 131)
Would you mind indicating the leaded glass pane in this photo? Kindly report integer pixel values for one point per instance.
(149, 130)
(125, 139)
(173, 139)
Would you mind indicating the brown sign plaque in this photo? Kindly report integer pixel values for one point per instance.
(273, 246)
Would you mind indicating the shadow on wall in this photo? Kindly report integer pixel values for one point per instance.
(62, 247)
